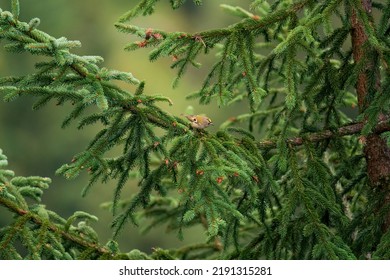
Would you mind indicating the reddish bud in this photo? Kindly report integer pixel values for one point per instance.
(199, 172)
(199, 38)
(220, 179)
(362, 140)
(142, 44)
(158, 36)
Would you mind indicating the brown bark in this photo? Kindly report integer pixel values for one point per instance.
(376, 151)
(359, 37)
(378, 160)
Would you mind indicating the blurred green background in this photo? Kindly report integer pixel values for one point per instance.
(33, 140)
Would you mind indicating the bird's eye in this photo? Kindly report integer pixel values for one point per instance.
(194, 119)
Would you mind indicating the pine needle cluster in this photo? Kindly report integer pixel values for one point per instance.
(300, 190)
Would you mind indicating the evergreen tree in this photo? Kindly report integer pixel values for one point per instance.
(294, 177)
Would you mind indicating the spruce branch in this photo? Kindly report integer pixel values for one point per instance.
(38, 220)
(245, 24)
(351, 129)
(239, 70)
(33, 223)
(205, 39)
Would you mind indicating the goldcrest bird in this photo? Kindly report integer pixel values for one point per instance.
(198, 121)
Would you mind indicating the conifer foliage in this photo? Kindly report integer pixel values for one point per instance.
(295, 177)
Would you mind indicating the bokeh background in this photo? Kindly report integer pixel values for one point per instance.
(33, 140)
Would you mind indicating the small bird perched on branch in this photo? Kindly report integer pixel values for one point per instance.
(198, 121)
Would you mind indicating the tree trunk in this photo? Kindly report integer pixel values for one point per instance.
(376, 151)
